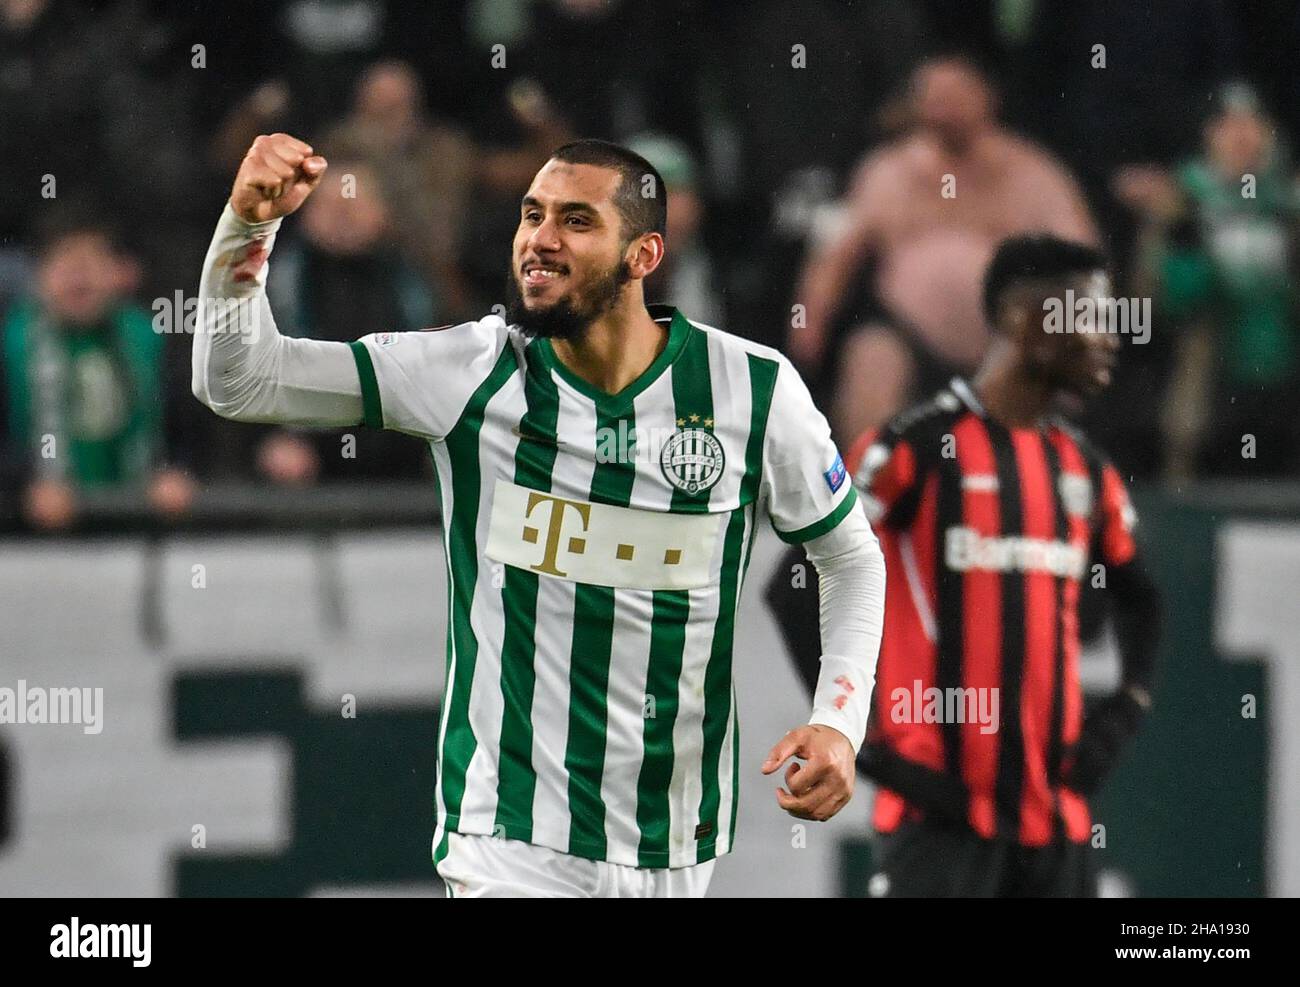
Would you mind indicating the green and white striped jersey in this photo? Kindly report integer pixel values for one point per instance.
(596, 546)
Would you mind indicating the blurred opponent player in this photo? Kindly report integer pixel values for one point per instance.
(602, 470)
(992, 511)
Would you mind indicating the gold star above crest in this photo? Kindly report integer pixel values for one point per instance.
(681, 422)
(694, 419)
(708, 422)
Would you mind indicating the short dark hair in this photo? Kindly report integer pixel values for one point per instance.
(73, 217)
(642, 206)
(1035, 258)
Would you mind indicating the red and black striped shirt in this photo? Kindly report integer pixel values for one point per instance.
(988, 531)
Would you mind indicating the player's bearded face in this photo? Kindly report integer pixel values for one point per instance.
(568, 315)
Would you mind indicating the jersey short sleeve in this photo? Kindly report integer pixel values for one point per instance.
(1117, 519)
(420, 382)
(884, 470)
(805, 484)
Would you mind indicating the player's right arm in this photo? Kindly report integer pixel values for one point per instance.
(243, 369)
(418, 382)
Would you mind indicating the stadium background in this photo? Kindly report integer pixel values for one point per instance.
(123, 124)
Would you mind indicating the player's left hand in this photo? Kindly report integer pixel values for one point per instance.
(823, 784)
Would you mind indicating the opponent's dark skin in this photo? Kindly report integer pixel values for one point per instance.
(1027, 374)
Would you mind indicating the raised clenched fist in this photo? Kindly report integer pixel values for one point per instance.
(275, 178)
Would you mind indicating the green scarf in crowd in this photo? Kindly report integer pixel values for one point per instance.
(86, 403)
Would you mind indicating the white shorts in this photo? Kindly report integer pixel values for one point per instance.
(495, 867)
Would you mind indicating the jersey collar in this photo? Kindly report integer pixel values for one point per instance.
(678, 330)
(966, 395)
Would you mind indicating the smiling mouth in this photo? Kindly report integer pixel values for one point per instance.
(537, 275)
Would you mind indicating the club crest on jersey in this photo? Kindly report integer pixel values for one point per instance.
(1076, 493)
(692, 458)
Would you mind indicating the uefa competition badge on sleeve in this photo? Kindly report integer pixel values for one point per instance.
(835, 475)
(691, 458)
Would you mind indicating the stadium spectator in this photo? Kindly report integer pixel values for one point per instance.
(323, 45)
(1101, 83)
(791, 95)
(344, 278)
(563, 45)
(82, 379)
(506, 167)
(1116, 83)
(686, 278)
(928, 209)
(1218, 252)
(298, 68)
(45, 95)
(426, 167)
(262, 109)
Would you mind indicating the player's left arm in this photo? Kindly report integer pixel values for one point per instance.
(810, 501)
(1136, 612)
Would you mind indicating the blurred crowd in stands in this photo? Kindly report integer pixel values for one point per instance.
(805, 147)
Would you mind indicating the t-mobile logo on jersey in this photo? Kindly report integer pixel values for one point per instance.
(600, 544)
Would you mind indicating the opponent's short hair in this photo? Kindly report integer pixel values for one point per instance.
(1037, 257)
(641, 198)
